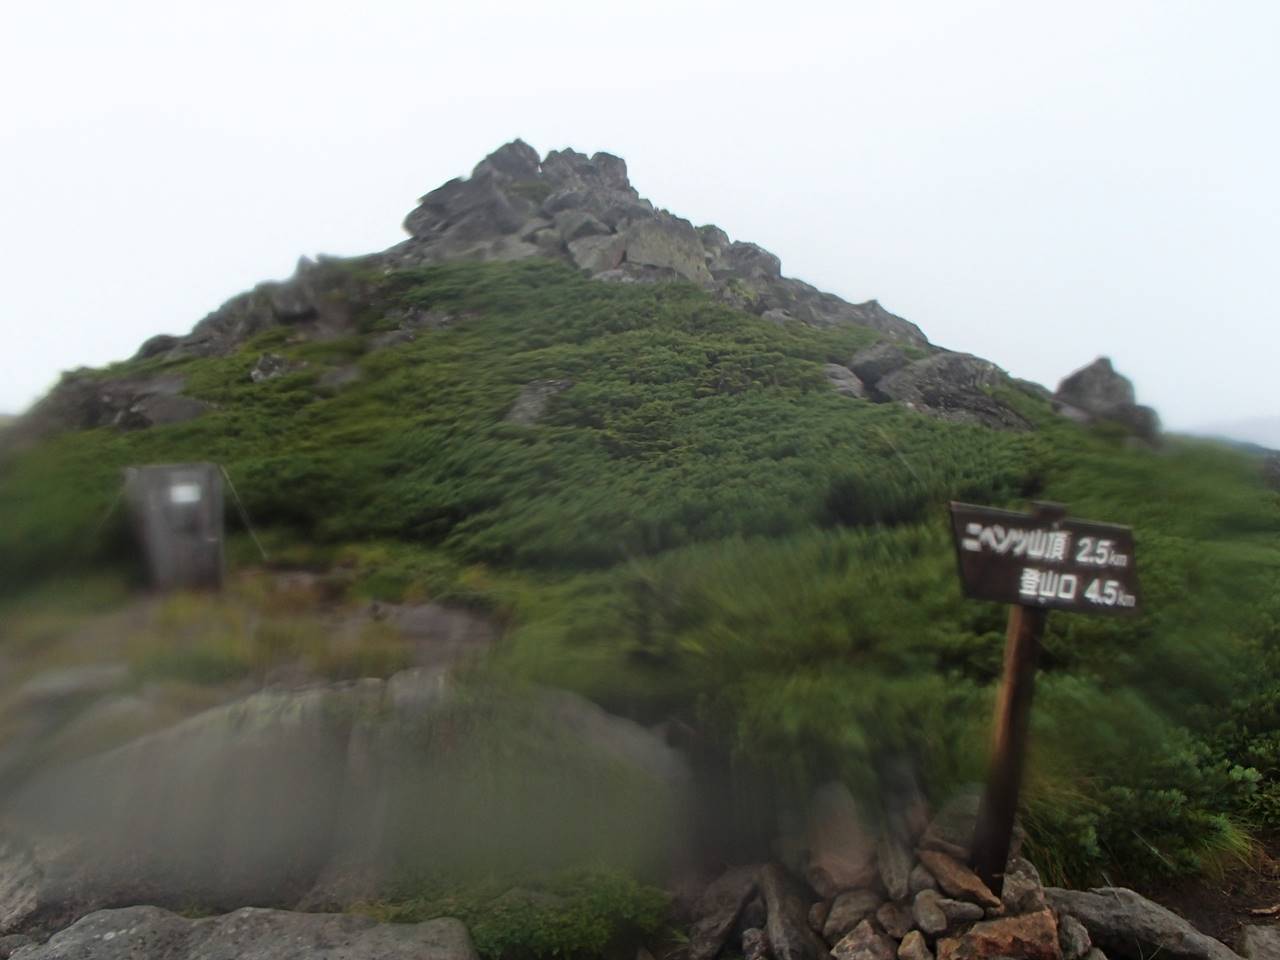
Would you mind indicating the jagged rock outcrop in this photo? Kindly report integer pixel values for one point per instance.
(1098, 392)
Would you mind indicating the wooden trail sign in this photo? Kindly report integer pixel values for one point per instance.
(1045, 561)
(1038, 562)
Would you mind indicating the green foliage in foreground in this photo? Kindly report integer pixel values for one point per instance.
(701, 529)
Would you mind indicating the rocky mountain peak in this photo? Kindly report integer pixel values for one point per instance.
(584, 210)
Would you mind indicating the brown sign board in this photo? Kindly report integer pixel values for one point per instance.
(1045, 562)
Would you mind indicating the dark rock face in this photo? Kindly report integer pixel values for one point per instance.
(157, 934)
(1098, 392)
(1127, 925)
(955, 387)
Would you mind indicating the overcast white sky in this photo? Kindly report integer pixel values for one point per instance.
(1036, 183)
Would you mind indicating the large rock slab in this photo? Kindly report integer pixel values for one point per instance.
(133, 933)
(1125, 924)
(255, 801)
(668, 242)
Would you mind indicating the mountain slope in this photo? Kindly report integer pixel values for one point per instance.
(696, 509)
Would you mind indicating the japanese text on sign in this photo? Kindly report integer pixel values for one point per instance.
(1064, 564)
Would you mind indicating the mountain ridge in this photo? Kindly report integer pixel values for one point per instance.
(583, 212)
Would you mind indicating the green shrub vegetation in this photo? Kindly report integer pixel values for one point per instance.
(701, 528)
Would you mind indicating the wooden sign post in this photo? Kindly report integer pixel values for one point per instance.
(1037, 562)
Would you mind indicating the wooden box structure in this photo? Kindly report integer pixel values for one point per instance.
(177, 513)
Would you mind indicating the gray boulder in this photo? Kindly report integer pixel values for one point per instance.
(844, 381)
(251, 934)
(1098, 392)
(667, 242)
(598, 254)
(953, 386)
(1023, 892)
(874, 363)
(1127, 925)
(534, 399)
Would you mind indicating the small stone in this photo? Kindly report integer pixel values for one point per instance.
(921, 879)
(1096, 954)
(1073, 938)
(864, 942)
(718, 908)
(957, 879)
(913, 947)
(847, 911)
(788, 927)
(755, 944)
(896, 919)
(895, 861)
(1023, 892)
(1032, 936)
(753, 914)
(960, 911)
(928, 914)
(818, 915)
(270, 366)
